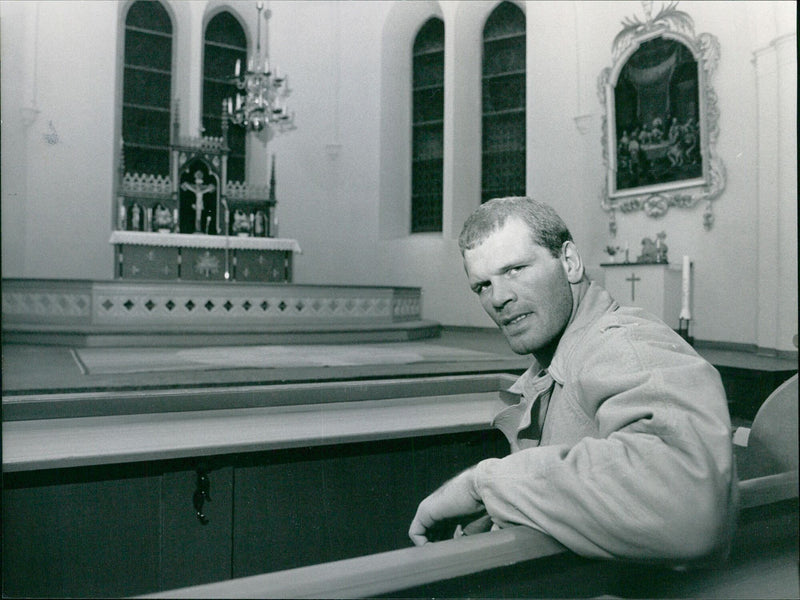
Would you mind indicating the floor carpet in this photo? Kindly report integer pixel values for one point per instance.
(98, 361)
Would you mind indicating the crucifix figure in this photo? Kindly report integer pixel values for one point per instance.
(199, 189)
(633, 279)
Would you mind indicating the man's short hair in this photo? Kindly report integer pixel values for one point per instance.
(547, 228)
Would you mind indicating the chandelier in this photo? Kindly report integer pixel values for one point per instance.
(262, 101)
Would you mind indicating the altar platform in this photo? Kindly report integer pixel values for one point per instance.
(121, 313)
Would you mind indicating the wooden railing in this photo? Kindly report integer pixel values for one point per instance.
(385, 572)
(768, 489)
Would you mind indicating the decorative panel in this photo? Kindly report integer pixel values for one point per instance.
(142, 262)
(253, 265)
(150, 303)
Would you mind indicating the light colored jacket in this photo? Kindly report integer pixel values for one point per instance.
(622, 446)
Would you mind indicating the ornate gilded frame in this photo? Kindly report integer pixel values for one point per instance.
(655, 198)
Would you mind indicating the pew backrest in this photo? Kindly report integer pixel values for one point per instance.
(774, 430)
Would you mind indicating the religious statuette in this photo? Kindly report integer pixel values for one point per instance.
(612, 252)
(241, 223)
(162, 219)
(200, 189)
(654, 251)
(136, 217)
(258, 225)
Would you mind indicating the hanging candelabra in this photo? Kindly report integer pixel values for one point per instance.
(261, 102)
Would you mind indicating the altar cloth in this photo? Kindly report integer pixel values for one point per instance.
(99, 361)
(197, 240)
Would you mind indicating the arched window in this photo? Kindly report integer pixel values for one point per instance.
(503, 92)
(147, 88)
(427, 152)
(225, 43)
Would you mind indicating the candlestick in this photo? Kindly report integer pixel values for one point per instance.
(685, 289)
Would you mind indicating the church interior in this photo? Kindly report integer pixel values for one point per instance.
(238, 345)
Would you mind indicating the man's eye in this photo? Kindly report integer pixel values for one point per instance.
(480, 288)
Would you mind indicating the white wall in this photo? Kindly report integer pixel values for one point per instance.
(343, 176)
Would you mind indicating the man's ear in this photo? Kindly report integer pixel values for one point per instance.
(572, 262)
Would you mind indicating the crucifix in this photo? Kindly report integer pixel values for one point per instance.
(633, 279)
(199, 189)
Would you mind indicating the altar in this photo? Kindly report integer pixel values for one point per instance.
(140, 255)
(655, 287)
(195, 224)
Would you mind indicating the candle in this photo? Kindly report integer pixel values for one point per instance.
(685, 289)
(238, 67)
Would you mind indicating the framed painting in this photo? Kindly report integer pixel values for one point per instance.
(661, 117)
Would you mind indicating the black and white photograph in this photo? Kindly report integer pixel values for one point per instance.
(399, 299)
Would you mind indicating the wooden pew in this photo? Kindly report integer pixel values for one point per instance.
(365, 413)
(770, 455)
(398, 570)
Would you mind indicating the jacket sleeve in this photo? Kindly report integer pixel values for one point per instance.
(657, 483)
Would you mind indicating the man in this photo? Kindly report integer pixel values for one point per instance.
(620, 441)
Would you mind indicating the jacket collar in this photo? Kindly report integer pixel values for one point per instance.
(593, 302)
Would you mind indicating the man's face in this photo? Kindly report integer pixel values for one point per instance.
(522, 287)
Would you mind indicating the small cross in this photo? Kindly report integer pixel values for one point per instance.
(633, 279)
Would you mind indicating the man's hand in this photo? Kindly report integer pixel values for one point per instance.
(455, 498)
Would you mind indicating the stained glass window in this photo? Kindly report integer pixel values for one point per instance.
(503, 98)
(147, 88)
(225, 43)
(427, 150)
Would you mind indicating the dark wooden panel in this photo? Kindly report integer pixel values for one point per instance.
(300, 507)
(193, 553)
(132, 529)
(747, 389)
(368, 506)
(439, 458)
(279, 516)
(75, 533)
